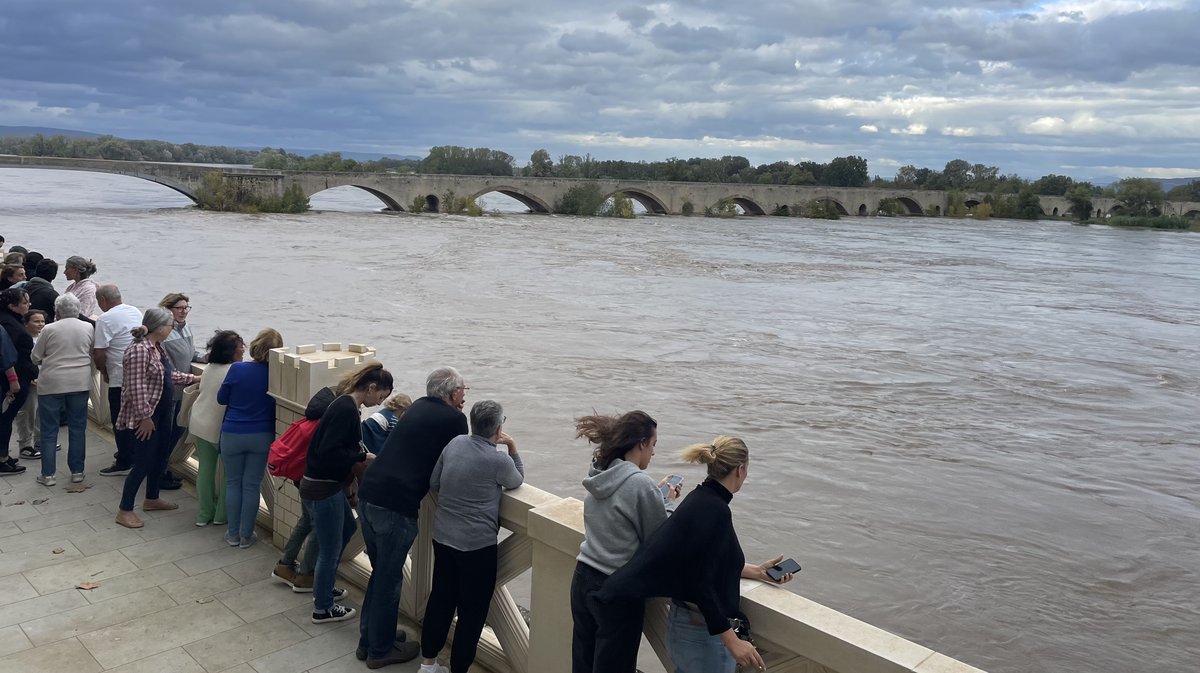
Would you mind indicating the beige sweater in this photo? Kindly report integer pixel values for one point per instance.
(64, 351)
(207, 415)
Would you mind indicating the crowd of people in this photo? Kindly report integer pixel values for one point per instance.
(638, 543)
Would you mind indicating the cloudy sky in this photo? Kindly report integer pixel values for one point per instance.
(1089, 88)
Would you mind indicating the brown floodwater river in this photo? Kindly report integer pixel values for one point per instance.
(983, 436)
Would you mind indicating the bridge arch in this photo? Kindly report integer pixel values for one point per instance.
(971, 203)
(837, 205)
(1192, 214)
(534, 203)
(388, 202)
(912, 206)
(862, 210)
(650, 202)
(748, 206)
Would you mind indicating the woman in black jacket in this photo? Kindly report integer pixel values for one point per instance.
(334, 455)
(14, 304)
(696, 560)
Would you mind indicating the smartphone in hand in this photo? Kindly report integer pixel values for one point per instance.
(786, 567)
(672, 481)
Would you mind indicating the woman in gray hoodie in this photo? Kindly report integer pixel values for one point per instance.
(622, 508)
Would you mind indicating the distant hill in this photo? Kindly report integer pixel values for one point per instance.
(26, 131)
(1171, 183)
(357, 156)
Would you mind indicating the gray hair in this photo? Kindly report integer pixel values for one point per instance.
(66, 306)
(152, 319)
(486, 418)
(442, 383)
(109, 293)
(84, 266)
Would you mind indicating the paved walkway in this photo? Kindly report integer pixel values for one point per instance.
(171, 597)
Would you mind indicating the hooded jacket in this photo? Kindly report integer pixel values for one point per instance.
(622, 508)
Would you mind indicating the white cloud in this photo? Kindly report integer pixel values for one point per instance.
(912, 130)
(869, 128)
(960, 131)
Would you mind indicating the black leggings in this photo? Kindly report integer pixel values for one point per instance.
(464, 580)
(605, 636)
(9, 415)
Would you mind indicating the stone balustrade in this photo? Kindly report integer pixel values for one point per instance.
(543, 532)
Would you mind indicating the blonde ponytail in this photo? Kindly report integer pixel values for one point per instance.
(722, 455)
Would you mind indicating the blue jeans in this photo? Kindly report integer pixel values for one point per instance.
(691, 648)
(333, 526)
(51, 410)
(297, 542)
(149, 457)
(389, 535)
(245, 459)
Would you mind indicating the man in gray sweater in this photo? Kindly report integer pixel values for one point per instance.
(468, 480)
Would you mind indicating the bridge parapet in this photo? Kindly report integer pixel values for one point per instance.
(399, 192)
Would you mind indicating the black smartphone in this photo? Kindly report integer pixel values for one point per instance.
(672, 481)
(788, 567)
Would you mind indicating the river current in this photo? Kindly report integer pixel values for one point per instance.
(983, 436)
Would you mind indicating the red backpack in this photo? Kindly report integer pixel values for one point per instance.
(289, 453)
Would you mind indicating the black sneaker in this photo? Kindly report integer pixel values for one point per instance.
(339, 593)
(10, 467)
(116, 470)
(338, 613)
(170, 482)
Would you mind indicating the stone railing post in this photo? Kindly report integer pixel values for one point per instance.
(296, 374)
(556, 529)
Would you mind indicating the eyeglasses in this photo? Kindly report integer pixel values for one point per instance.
(463, 388)
(185, 309)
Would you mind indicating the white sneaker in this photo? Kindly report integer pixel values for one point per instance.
(76, 477)
(433, 668)
(46, 480)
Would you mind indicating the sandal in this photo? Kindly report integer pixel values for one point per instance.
(30, 452)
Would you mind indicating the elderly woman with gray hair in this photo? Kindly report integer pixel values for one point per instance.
(467, 479)
(79, 271)
(64, 353)
(146, 408)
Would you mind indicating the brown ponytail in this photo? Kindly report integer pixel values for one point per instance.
(358, 379)
(615, 436)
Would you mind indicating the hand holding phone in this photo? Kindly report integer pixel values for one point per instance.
(780, 570)
(669, 484)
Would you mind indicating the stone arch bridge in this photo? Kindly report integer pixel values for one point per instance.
(399, 192)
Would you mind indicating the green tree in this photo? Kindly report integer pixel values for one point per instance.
(540, 165)
(1139, 196)
(1080, 196)
(1053, 185)
(1188, 192)
(1028, 205)
(848, 171)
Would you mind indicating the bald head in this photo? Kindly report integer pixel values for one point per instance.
(108, 296)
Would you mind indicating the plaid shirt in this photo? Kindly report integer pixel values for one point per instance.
(143, 382)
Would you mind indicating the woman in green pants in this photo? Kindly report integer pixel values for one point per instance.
(224, 348)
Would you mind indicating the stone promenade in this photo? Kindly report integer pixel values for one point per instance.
(168, 598)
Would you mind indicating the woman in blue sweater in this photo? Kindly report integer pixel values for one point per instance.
(246, 436)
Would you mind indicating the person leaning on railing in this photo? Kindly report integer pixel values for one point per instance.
(468, 480)
(696, 560)
(335, 455)
(224, 348)
(622, 508)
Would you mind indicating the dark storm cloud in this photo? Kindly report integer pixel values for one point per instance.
(900, 82)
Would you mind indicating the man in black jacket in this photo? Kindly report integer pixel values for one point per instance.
(389, 500)
(41, 293)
